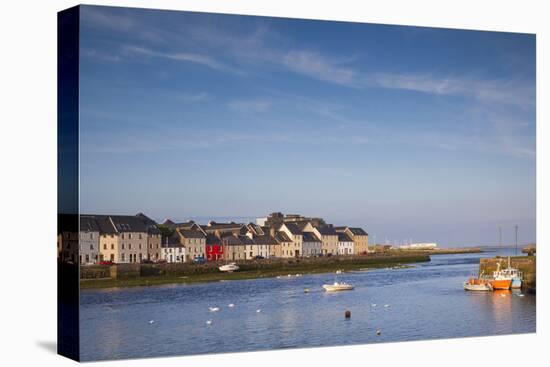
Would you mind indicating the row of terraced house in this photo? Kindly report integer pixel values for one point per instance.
(137, 238)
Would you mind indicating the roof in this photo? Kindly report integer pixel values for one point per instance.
(327, 231)
(282, 237)
(293, 228)
(232, 240)
(265, 240)
(342, 237)
(171, 241)
(357, 231)
(310, 237)
(88, 224)
(212, 239)
(302, 224)
(191, 233)
(212, 226)
(105, 224)
(128, 223)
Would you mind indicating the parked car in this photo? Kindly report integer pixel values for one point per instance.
(160, 261)
(259, 257)
(106, 262)
(146, 261)
(199, 260)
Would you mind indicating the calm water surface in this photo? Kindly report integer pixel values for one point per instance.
(424, 302)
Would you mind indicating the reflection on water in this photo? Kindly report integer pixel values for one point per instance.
(424, 302)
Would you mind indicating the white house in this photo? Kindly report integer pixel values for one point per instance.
(345, 244)
(88, 240)
(311, 244)
(172, 251)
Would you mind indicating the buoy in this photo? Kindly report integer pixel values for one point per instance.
(306, 290)
(520, 295)
(347, 314)
(213, 309)
(151, 321)
(378, 332)
(386, 305)
(231, 305)
(258, 310)
(373, 304)
(208, 322)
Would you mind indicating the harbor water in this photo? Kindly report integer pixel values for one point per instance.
(424, 302)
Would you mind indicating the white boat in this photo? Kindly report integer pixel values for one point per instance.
(229, 267)
(336, 286)
(486, 286)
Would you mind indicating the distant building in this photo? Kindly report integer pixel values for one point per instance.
(419, 246)
(360, 239)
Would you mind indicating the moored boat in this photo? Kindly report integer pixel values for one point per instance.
(476, 284)
(336, 287)
(229, 267)
(502, 279)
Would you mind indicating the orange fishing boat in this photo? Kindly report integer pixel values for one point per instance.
(501, 279)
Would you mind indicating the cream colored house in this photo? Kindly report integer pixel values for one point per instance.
(235, 247)
(329, 239)
(265, 246)
(345, 244)
(294, 249)
(360, 240)
(284, 242)
(123, 238)
(194, 242)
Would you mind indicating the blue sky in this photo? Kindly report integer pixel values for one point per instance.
(409, 132)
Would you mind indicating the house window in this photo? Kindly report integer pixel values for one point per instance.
(139, 236)
(112, 246)
(105, 246)
(122, 257)
(140, 246)
(129, 246)
(91, 236)
(129, 236)
(91, 247)
(122, 246)
(122, 235)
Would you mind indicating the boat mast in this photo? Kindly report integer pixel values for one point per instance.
(499, 239)
(516, 240)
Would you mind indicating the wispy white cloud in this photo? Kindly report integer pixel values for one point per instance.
(315, 66)
(195, 58)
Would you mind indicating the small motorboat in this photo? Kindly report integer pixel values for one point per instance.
(336, 287)
(229, 267)
(474, 284)
(502, 279)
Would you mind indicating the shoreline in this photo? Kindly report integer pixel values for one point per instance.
(302, 268)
